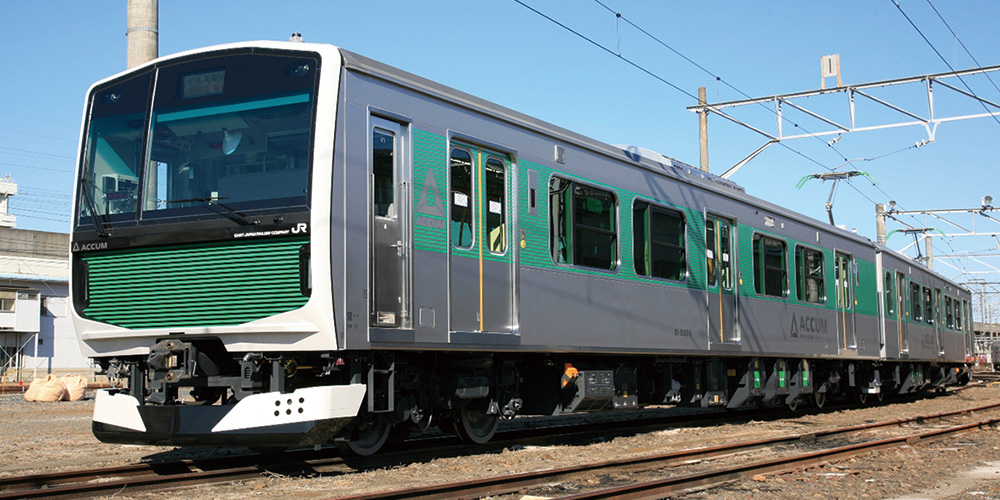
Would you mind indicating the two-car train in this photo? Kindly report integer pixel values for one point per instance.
(281, 244)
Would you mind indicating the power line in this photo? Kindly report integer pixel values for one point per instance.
(66, 139)
(64, 219)
(675, 87)
(609, 51)
(21, 165)
(37, 153)
(718, 78)
(652, 74)
(56, 192)
(16, 210)
(945, 61)
(962, 44)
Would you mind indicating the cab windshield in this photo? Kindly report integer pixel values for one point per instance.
(223, 135)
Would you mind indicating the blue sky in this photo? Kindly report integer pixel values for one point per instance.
(503, 52)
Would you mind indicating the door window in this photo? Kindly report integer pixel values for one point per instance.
(462, 208)
(496, 205)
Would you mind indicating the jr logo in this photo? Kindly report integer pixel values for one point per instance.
(301, 227)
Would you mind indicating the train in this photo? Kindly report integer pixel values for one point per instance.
(995, 355)
(280, 244)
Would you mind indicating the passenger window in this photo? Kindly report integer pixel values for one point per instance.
(769, 268)
(889, 296)
(582, 222)
(949, 318)
(718, 247)
(809, 275)
(958, 315)
(461, 198)
(383, 144)
(659, 242)
(726, 261)
(842, 270)
(928, 306)
(916, 307)
(710, 255)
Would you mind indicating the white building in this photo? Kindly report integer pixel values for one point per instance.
(36, 332)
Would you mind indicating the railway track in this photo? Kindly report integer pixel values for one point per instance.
(713, 475)
(986, 376)
(328, 461)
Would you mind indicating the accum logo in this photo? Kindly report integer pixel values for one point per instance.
(87, 247)
(806, 324)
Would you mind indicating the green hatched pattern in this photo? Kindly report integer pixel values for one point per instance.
(213, 284)
(431, 197)
(536, 231)
(508, 256)
(866, 292)
(430, 189)
(747, 271)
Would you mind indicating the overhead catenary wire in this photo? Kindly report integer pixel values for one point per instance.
(620, 18)
(606, 49)
(33, 167)
(718, 78)
(966, 49)
(945, 61)
(688, 94)
(28, 152)
(651, 73)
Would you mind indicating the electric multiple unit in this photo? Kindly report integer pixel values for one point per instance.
(280, 244)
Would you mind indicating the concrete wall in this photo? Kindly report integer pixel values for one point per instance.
(40, 261)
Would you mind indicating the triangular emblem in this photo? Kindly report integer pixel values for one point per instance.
(431, 201)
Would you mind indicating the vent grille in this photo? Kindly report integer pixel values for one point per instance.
(213, 284)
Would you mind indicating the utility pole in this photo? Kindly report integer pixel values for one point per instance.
(703, 129)
(142, 32)
(929, 251)
(880, 223)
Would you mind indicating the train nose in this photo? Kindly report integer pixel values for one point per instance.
(307, 416)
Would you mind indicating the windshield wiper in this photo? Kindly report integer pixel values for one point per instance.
(227, 211)
(102, 230)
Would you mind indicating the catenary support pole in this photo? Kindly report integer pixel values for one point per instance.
(703, 130)
(142, 32)
(880, 223)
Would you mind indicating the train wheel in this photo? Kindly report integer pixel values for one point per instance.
(368, 439)
(792, 406)
(880, 396)
(862, 398)
(474, 426)
(819, 399)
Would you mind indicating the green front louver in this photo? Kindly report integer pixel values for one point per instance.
(205, 284)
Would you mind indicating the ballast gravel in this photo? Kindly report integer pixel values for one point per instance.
(46, 437)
